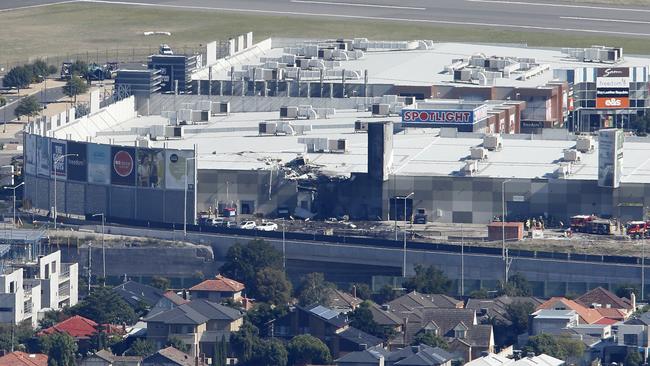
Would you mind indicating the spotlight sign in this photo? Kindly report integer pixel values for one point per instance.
(443, 116)
(612, 88)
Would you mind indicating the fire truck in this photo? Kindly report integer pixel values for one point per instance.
(579, 223)
(592, 224)
(637, 229)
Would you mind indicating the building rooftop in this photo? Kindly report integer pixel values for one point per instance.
(196, 312)
(219, 284)
(76, 326)
(18, 358)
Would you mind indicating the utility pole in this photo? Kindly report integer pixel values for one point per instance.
(462, 261)
(90, 264)
(405, 228)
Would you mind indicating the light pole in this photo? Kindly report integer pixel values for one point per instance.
(504, 251)
(103, 246)
(56, 161)
(643, 269)
(404, 259)
(14, 189)
(185, 199)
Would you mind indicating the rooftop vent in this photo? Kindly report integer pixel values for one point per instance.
(572, 155)
(493, 142)
(585, 144)
(478, 153)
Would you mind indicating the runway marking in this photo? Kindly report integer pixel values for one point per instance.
(357, 4)
(365, 17)
(607, 20)
(37, 6)
(558, 5)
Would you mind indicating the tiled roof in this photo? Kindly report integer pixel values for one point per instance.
(587, 316)
(383, 317)
(359, 337)
(343, 300)
(416, 300)
(219, 284)
(196, 312)
(175, 356)
(496, 308)
(110, 357)
(76, 326)
(368, 356)
(134, 292)
(421, 355)
(18, 358)
(174, 298)
(603, 297)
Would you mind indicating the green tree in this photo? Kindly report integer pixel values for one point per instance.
(306, 349)
(178, 344)
(633, 358)
(272, 286)
(479, 294)
(160, 282)
(28, 106)
(52, 317)
(626, 290)
(79, 68)
(243, 341)
(243, 261)
(362, 290)
(361, 318)
(141, 347)
(518, 313)
(430, 339)
(314, 290)
(269, 352)
(428, 280)
(61, 349)
(517, 285)
(220, 352)
(102, 340)
(562, 347)
(18, 77)
(22, 334)
(40, 70)
(263, 314)
(104, 306)
(75, 86)
(387, 294)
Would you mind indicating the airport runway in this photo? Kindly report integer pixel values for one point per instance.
(527, 15)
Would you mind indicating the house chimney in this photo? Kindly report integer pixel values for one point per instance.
(633, 301)
(406, 321)
(196, 361)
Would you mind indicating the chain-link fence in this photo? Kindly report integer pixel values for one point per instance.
(100, 56)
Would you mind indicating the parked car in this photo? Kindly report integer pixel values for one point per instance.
(228, 224)
(249, 225)
(267, 226)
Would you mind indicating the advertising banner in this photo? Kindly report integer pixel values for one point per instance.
(175, 169)
(99, 164)
(43, 158)
(151, 168)
(59, 149)
(437, 116)
(123, 165)
(77, 165)
(612, 88)
(30, 154)
(610, 157)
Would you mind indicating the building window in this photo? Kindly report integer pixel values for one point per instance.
(630, 339)
(460, 333)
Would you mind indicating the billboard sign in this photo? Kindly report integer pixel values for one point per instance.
(59, 149)
(151, 168)
(613, 88)
(122, 165)
(43, 158)
(99, 164)
(77, 165)
(610, 157)
(175, 165)
(30, 154)
(437, 116)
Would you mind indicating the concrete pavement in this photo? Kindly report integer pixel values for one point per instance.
(542, 15)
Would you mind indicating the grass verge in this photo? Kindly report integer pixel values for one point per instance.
(74, 28)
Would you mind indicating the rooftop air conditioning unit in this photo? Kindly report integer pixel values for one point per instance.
(142, 141)
(221, 108)
(572, 155)
(471, 167)
(478, 153)
(288, 112)
(563, 171)
(267, 128)
(360, 126)
(493, 142)
(174, 132)
(585, 144)
(380, 109)
(336, 145)
(409, 100)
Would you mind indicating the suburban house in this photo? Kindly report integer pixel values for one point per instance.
(342, 301)
(547, 321)
(587, 315)
(198, 323)
(608, 303)
(416, 300)
(459, 327)
(328, 325)
(107, 358)
(495, 311)
(168, 301)
(218, 289)
(81, 329)
(500, 360)
(26, 288)
(170, 356)
(385, 318)
(635, 332)
(421, 355)
(137, 294)
(18, 358)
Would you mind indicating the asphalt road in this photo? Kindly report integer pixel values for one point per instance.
(529, 15)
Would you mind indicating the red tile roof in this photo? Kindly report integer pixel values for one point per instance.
(219, 284)
(76, 326)
(587, 316)
(23, 359)
(603, 297)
